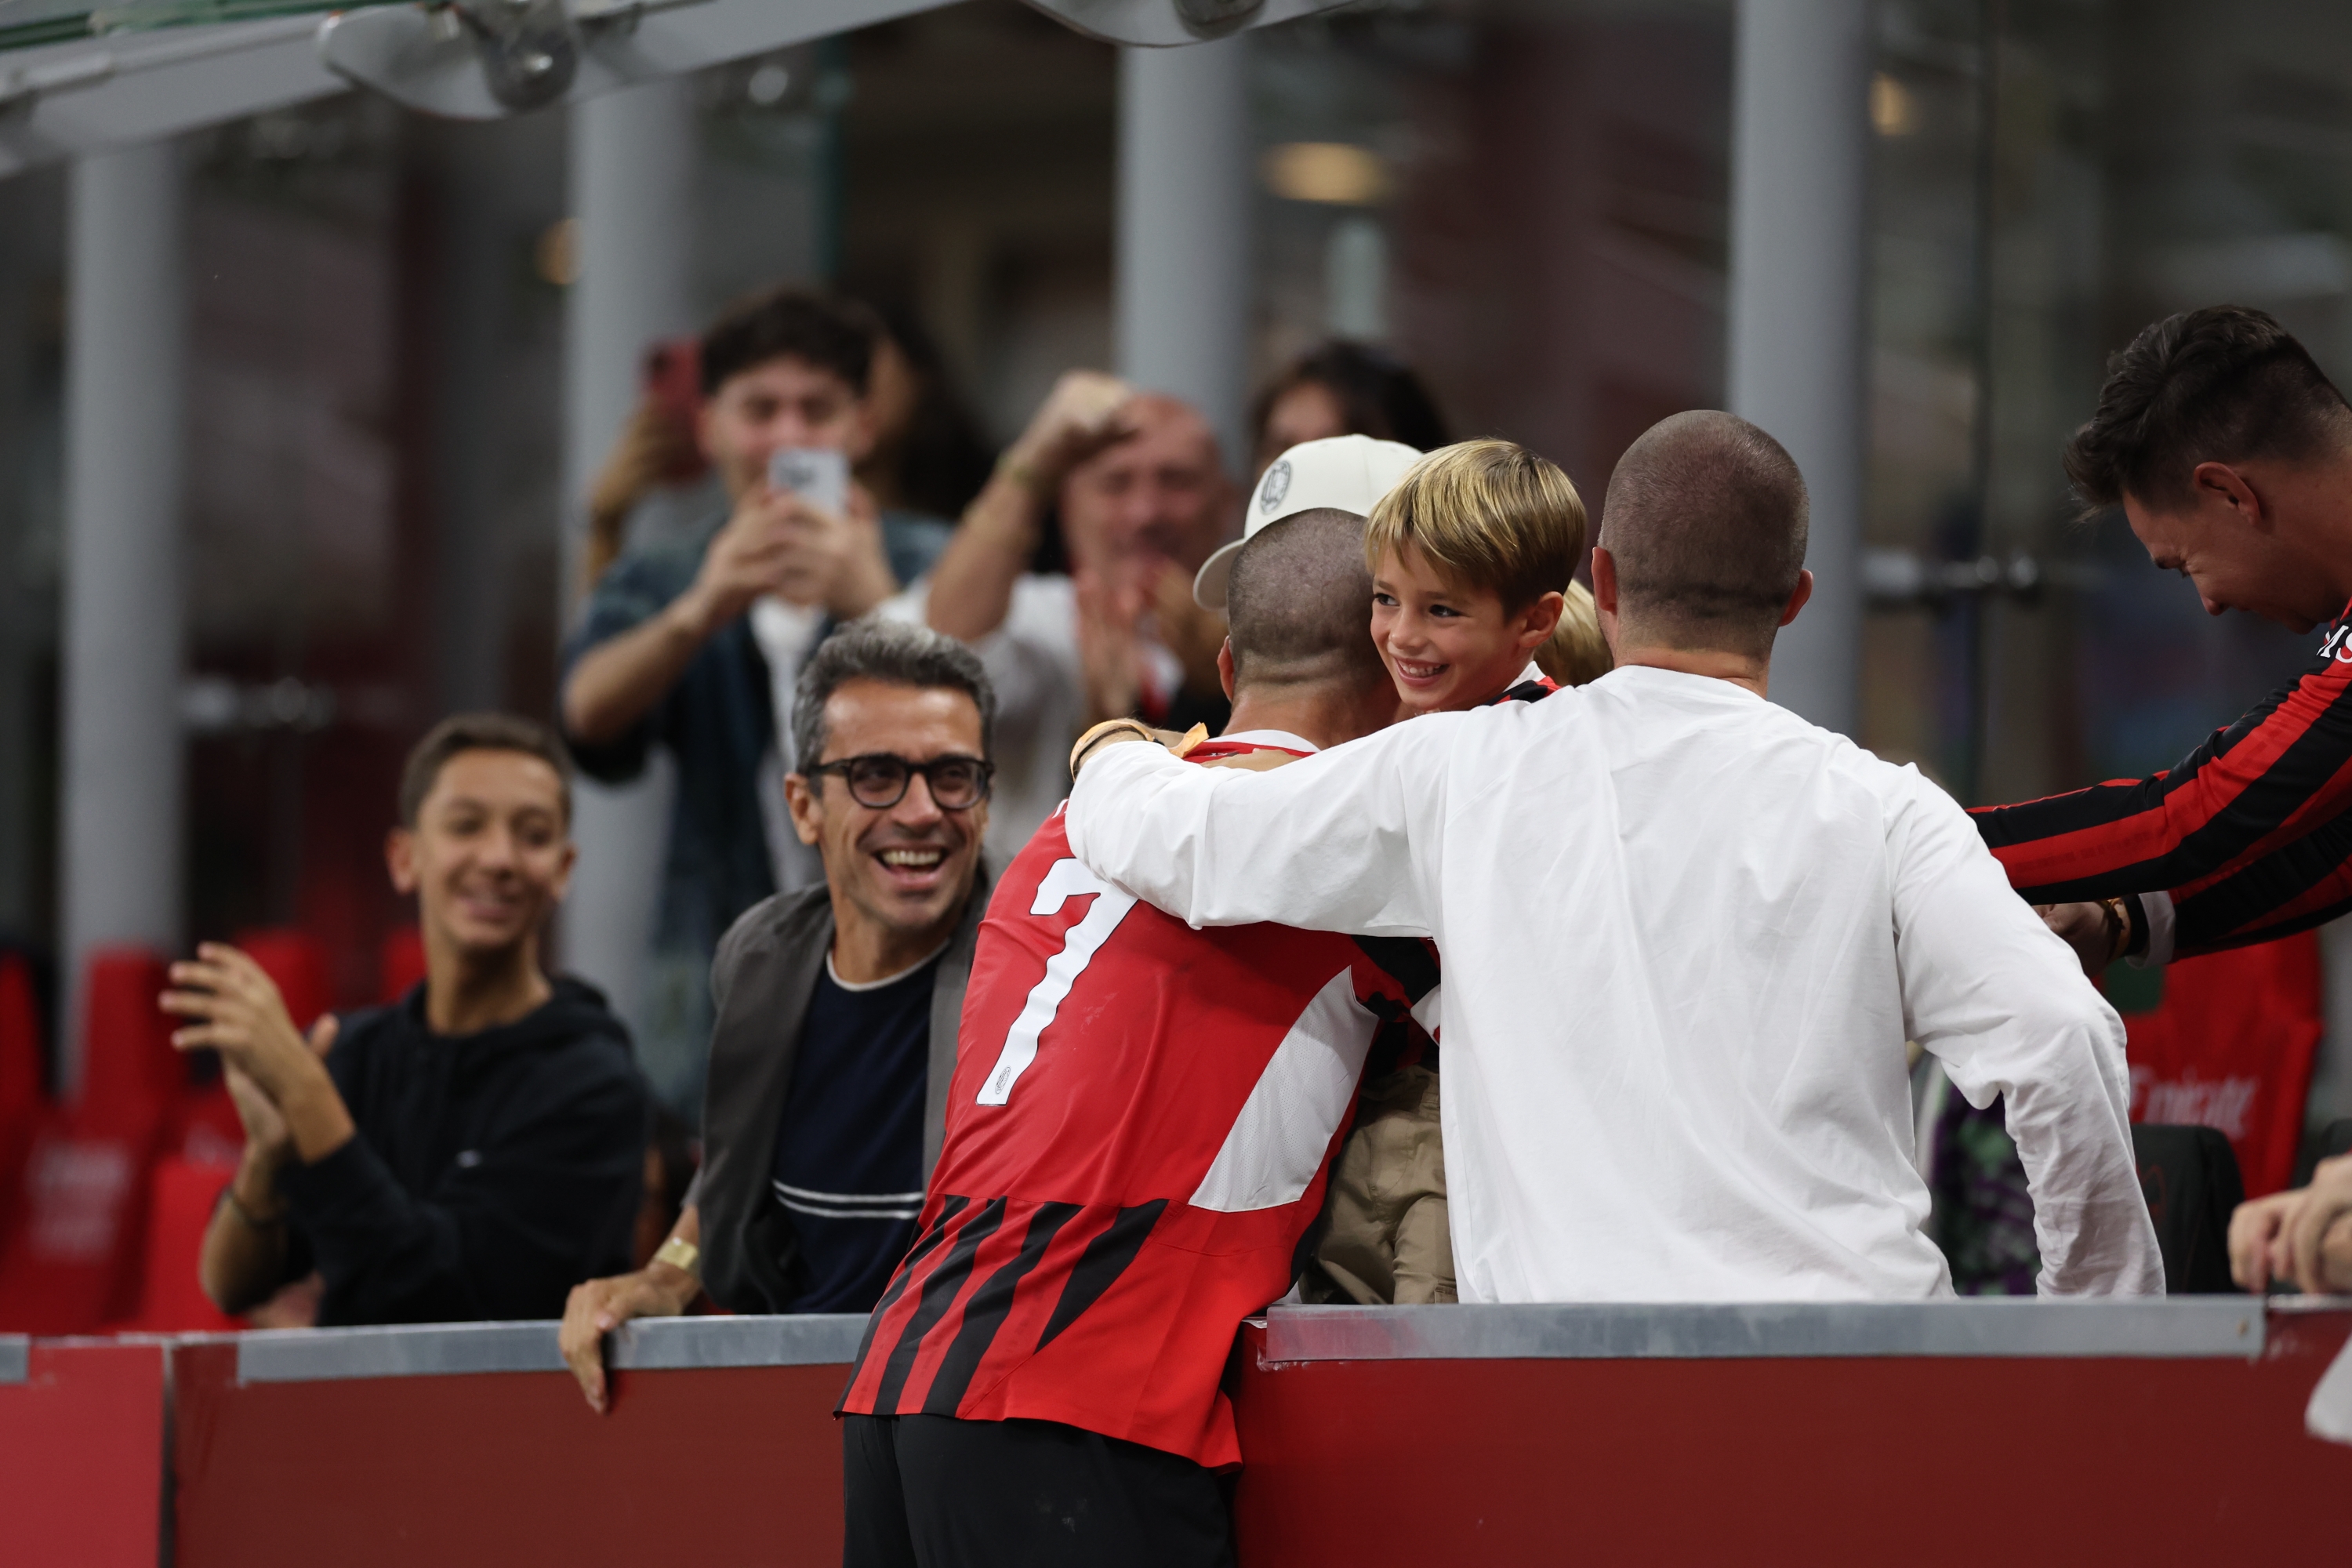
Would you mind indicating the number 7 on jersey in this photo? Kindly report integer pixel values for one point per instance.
(1065, 881)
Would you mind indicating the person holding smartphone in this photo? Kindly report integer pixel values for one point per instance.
(688, 641)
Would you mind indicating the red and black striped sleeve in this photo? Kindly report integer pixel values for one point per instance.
(2272, 779)
(2294, 887)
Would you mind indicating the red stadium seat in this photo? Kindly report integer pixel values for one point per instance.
(204, 1128)
(181, 1194)
(72, 1262)
(131, 1075)
(2230, 1046)
(22, 1100)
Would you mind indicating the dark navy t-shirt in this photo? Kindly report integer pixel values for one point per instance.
(849, 1151)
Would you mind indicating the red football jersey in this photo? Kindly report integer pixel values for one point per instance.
(1140, 1123)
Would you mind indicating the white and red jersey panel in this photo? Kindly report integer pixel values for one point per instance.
(1138, 1134)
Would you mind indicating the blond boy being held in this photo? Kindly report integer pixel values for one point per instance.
(1473, 555)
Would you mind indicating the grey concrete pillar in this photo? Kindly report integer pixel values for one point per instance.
(632, 175)
(1799, 325)
(28, 225)
(125, 394)
(474, 252)
(1184, 311)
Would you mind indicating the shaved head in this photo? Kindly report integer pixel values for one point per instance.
(1706, 522)
(1300, 606)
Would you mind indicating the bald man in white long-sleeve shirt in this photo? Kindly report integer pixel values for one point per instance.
(1686, 935)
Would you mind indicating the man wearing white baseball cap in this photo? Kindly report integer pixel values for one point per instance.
(1339, 473)
(1384, 1236)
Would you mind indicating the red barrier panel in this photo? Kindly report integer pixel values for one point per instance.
(1956, 1433)
(1961, 1459)
(81, 1457)
(720, 1466)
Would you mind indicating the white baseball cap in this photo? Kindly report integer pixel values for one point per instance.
(1348, 473)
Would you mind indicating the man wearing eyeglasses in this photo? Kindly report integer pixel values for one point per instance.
(836, 1006)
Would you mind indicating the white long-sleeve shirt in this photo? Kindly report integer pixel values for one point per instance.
(1686, 935)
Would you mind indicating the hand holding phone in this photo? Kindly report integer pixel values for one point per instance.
(818, 475)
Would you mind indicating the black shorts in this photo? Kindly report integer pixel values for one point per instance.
(933, 1491)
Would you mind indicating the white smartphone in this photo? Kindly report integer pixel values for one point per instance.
(818, 475)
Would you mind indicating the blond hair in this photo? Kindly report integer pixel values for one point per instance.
(1487, 514)
(1576, 652)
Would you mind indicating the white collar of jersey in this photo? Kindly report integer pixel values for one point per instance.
(1282, 738)
(1534, 671)
(834, 974)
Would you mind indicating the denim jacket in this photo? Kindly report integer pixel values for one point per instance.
(717, 722)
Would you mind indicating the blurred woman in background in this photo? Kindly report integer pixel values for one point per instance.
(1345, 389)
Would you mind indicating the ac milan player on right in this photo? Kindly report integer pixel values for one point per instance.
(2230, 452)
(1142, 1119)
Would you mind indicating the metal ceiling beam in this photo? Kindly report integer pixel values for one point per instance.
(469, 60)
(99, 94)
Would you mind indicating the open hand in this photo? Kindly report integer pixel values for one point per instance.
(1192, 634)
(264, 1124)
(1085, 411)
(238, 1013)
(1110, 655)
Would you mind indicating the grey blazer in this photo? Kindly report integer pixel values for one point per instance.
(761, 981)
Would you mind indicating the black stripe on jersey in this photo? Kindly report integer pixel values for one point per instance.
(937, 1291)
(1407, 960)
(984, 1314)
(2241, 908)
(949, 1206)
(1099, 1267)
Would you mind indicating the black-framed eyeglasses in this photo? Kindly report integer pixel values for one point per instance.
(878, 780)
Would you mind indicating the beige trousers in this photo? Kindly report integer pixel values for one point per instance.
(1385, 1236)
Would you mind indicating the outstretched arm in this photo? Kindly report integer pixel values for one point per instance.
(2003, 1002)
(1344, 841)
(971, 584)
(2282, 770)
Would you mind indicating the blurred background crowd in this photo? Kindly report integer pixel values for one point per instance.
(416, 433)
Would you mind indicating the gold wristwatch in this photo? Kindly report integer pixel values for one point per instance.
(680, 1254)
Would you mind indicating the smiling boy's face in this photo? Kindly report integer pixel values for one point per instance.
(489, 854)
(1448, 646)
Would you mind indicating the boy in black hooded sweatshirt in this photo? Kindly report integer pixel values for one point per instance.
(472, 1151)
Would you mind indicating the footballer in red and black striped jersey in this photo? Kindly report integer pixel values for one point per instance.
(2249, 834)
(1138, 1137)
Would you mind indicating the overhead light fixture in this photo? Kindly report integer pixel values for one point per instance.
(1339, 173)
(1893, 108)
